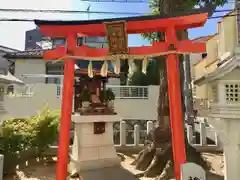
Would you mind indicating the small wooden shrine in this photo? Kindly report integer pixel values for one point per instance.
(91, 95)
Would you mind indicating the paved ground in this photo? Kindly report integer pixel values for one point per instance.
(41, 171)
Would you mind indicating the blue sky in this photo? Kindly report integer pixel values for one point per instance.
(12, 34)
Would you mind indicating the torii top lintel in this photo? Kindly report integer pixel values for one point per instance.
(141, 24)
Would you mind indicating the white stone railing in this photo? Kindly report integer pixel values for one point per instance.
(139, 135)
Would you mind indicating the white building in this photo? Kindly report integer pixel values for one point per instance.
(6, 79)
(43, 86)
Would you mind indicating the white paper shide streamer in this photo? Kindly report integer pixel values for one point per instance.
(144, 65)
(104, 69)
(90, 69)
(117, 65)
(131, 65)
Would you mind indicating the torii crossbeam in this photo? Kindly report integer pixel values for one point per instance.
(145, 24)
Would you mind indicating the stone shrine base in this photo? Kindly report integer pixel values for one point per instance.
(93, 151)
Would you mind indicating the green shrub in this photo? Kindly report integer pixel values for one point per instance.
(23, 139)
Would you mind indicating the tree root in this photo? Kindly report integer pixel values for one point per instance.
(145, 158)
(160, 164)
(167, 172)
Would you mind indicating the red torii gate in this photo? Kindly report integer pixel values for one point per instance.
(144, 24)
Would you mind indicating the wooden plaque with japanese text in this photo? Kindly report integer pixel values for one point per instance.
(117, 37)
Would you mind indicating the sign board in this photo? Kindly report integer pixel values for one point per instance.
(192, 171)
(117, 37)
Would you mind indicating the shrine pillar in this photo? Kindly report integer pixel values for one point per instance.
(175, 104)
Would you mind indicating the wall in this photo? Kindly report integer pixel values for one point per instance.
(219, 47)
(207, 65)
(142, 108)
(199, 70)
(139, 108)
(30, 66)
(22, 106)
(114, 81)
(195, 58)
(227, 35)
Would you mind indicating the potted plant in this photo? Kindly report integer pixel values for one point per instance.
(85, 97)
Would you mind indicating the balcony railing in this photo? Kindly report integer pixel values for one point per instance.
(129, 92)
(122, 92)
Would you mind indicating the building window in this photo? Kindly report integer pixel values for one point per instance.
(80, 41)
(10, 89)
(58, 42)
(1, 93)
(54, 69)
(59, 90)
(204, 55)
(29, 38)
(232, 92)
(238, 25)
(11, 67)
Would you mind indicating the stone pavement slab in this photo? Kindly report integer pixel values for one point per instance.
(111, 173)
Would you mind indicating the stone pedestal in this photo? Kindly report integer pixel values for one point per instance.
(93, 151)
(226, 120)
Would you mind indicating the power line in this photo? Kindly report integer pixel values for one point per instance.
(31, 20)
(88, 12)
(117, 1)
(127, 1)
(53, 11)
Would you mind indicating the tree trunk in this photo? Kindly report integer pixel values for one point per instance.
(157, 158)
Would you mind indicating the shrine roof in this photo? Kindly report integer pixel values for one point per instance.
(82, 64)
(134, 18)
(10, 79)
(29, 54)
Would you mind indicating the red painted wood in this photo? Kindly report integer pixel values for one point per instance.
(54, 54)
(66, 113)
(154, 25)
(186, 46)
(175, 106)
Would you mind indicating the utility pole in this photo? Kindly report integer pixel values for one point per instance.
(188, 98)
(88, 10)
